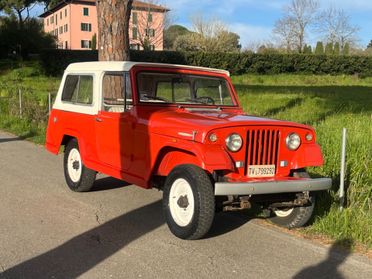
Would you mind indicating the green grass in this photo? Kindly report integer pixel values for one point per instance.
(328, 103)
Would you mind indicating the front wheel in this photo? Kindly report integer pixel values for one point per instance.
(294, 217)
(188, 202)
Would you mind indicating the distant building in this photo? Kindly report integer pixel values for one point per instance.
(74, 23)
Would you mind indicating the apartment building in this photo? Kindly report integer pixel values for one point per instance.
(74, 24)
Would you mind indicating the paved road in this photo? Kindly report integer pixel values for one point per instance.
(117, 231)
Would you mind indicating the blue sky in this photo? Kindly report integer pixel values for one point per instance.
(253, 19)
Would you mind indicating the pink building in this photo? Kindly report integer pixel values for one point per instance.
(74, 23)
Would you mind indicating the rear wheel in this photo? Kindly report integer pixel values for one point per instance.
(294, 217)
(188, 202)
(78, 177)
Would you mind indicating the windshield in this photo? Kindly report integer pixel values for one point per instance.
(183, 89)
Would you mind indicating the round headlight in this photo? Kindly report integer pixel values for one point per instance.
(293, 141)
(234, 142)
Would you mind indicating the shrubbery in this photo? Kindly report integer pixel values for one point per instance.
(55, 61)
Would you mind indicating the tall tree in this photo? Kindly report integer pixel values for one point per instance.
(319, 49)
(298, 16)
(19, 8)
(113, 24)
(336, 27)
(370, 44)
(172, 33)
(336, 48)
(329, 48)
(346, 49)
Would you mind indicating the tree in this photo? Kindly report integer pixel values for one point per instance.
(18, 8)
(346, 49)
(329, 48)
(336, 48)
(335, 26)
(94, 41)
(172, 33)
(370, 44)
(113, 25)
(319, 49)
(209, 36)
(298, 16)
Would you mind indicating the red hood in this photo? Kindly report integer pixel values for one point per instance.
(183, 122)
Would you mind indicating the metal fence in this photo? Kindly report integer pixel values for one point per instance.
(26, 104)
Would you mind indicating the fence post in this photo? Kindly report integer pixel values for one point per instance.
(49, 102)
(20, 102)
(342, 170)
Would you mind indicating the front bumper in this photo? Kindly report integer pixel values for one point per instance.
(272, 187)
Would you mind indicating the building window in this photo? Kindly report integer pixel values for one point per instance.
(52, 20)
(135, 18)
(152, 47)
(134, 33)
(86, 44)
(65, 28)
(56, 32)
(61, 30)
(66, 45)
(86, 27)
(47, 21)
(60, 15)
(135, 46)
(86, 11)
(150, 32)
(56, 19)
(149, 17)
(65, 12)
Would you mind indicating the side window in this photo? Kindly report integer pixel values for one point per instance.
(116, 87)
(78, 89)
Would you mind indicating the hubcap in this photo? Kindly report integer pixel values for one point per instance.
(74, 165)
(181, 202)
(283, 212)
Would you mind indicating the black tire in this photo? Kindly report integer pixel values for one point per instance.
(83, 179)
(203, 201)
(297, 216)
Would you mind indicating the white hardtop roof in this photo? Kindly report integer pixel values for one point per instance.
(127, 65)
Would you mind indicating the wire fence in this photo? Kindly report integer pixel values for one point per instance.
(25, 103)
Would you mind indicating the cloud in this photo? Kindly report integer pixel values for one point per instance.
(251, 34)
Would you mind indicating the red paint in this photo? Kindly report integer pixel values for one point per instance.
(145, 141)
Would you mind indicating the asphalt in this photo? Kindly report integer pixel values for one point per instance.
(118, 231)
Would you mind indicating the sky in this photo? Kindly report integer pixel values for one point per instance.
(253, 20)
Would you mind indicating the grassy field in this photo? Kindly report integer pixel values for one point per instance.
(328, 103)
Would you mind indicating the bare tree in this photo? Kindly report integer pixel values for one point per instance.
(298, 16)
(284, 33)
(149, 24)
(113, 25)
(335, 25)
(209, 35)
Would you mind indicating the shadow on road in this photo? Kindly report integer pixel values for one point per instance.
(9, 139)
(85, 251)
(329, 267)
(88, 249)
(108, 183)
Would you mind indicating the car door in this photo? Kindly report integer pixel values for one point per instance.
(114, 122)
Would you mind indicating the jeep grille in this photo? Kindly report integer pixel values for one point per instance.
(262, 147)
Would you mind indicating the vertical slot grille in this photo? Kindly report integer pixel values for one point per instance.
(262, 147)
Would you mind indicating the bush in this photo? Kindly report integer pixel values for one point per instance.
(55, 61)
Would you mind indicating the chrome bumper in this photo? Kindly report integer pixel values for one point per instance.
(272, 187)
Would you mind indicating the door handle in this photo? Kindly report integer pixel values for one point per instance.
(98, 119)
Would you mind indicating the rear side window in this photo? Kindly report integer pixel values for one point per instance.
(78, 89)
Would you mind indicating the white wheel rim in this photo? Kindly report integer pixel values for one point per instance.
(74, 165)
(283, 212)
(181, 202)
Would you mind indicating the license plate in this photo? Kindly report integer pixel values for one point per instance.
(261, 170)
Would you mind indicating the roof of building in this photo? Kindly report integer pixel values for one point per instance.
(127, 65)
(137, 5)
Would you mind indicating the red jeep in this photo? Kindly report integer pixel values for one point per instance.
(182, 129)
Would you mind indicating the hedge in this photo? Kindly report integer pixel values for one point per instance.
(55, 61)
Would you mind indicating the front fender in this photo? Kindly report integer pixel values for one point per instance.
(207, 157)
(310, 156)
